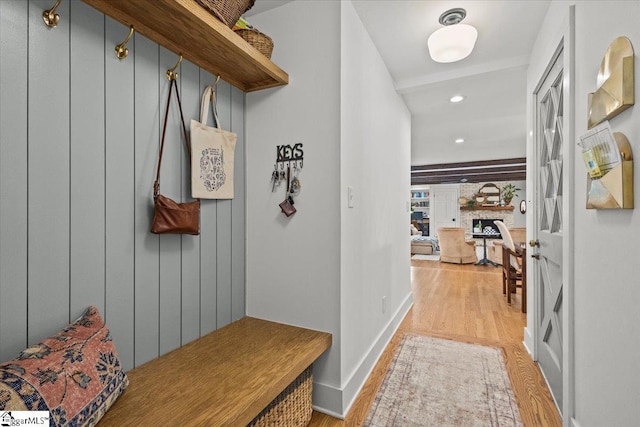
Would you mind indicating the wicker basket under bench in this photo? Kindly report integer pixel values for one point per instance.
(251, 372)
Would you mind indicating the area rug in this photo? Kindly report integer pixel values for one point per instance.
(436, 255)
(436, 382)
(422, 257)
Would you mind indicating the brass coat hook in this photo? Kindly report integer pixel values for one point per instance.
(50, 17)
(121, 49)
(171, 72)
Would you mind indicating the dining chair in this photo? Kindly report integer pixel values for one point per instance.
(513, 266)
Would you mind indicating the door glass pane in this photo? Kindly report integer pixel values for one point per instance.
(550, 134)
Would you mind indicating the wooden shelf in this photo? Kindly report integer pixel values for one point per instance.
(486, 208)
(186, 28)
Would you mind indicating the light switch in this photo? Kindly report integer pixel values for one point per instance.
(350, 196)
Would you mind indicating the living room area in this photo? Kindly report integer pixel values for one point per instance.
(465, 197)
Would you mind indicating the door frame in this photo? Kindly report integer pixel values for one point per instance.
(566, 43)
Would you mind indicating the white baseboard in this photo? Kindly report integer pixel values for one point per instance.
(528, 342)
(327, 399)
(336, 402)
(355, 383)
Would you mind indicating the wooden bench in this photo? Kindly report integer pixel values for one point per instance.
(225, 378)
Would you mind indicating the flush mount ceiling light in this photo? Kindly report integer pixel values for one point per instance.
(459, 141)
(454, 41)
(456, 98)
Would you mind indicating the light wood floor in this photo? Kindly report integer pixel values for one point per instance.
(463, 303)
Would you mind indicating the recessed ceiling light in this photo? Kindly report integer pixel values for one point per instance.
(459, 141)
(456, 98)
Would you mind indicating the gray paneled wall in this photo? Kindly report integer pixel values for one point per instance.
(79, 138)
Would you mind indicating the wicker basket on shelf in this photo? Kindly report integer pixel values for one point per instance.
(227, 11)
(259, 40)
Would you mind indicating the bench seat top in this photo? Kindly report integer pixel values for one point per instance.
(224, 378)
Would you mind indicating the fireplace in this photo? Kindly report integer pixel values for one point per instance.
(486, 226)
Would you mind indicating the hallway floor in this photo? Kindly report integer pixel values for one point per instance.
(463, 303)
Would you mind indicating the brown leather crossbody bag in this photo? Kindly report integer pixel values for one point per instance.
(171, 217)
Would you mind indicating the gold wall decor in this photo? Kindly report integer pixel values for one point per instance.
(615, 91)
(614, 190)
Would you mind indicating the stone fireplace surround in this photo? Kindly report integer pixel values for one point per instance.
(468, 215)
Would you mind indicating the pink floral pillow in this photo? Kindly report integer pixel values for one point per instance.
(76, 375)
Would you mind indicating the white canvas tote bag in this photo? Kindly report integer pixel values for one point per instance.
(212, 155)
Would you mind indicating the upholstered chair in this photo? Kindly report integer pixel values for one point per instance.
(494, 247)
(454, 248)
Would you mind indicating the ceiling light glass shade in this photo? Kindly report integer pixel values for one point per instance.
(459, 141)
(456, 98)
(452, 43)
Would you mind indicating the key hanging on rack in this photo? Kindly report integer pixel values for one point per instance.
(275, 178)
(294, 189)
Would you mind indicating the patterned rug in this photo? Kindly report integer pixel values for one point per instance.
(436, 382)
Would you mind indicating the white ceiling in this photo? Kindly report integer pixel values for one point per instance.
(493, 78)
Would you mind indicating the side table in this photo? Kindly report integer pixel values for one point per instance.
(484, 260)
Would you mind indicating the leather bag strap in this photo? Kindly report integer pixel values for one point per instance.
(156, 184)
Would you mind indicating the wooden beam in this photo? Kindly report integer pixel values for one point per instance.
(481, 171)
(513, 161)
(472, 171)
(456, 179)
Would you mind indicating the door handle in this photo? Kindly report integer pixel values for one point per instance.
(453, 219)
(535, 256)
(534, 243)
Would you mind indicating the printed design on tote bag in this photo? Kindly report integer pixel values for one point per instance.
(212, 168)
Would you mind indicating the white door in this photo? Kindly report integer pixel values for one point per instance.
(445, 210)
(548, 231)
